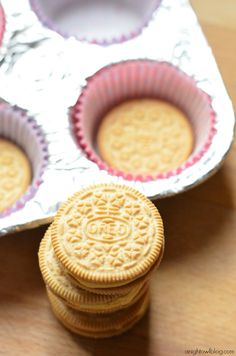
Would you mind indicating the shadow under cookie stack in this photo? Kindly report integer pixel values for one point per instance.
(97, 258)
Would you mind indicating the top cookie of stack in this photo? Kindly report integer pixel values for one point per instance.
(107, 235)
(107, 239)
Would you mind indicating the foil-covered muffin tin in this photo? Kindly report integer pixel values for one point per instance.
(126, 80)
(44, 74)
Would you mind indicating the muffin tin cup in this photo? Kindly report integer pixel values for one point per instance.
(23, 130)
(142, 79)
(94, 21)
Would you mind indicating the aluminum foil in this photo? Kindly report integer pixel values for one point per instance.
(44, 73)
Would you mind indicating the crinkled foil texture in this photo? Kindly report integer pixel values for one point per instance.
(44, 73)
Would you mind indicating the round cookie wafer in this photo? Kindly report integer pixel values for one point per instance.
(133, 286)
(145, 137)
(102, 307)
(98, 325)
(107, 235)
(58, 282)
(15, 173)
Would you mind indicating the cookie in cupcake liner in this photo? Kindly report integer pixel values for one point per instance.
(22, 130)
(139, 80)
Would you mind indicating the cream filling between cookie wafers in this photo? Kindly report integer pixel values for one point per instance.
(99, 325)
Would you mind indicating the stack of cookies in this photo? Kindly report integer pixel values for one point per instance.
(98, 256)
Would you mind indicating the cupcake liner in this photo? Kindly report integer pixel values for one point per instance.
(94, 16)
(138, 79)
(2, 23)
(16, 126)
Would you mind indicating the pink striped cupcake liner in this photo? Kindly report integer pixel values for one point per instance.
(136, 79)
(94, 21)
(2, 23)
(18, 127)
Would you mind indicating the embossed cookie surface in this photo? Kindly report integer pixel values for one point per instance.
(107, 235)
(15, 173)
(145, 136)
(58, 282)
(133, 287)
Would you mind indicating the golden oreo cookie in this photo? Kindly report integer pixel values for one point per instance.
(133, 287)
(107, 235)
(58, 282)
(15, 173)
(98, 325)
(145, 137)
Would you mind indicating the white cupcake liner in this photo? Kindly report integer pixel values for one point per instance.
(16, 126)
(135, 79)
(63, 16)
